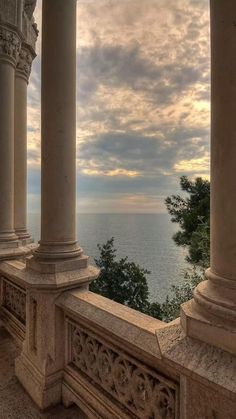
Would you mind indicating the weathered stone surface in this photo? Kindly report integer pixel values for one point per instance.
(135, 329)
(9, 11)
(14, 401)
(208, 385)
(201, 402)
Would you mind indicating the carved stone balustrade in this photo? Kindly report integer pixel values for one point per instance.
(109, 360)
(123, 364)
(77, 347)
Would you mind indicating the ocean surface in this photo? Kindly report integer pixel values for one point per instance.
(145, 238)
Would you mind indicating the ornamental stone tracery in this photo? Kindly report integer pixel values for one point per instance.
(141, 391)
(14, 300)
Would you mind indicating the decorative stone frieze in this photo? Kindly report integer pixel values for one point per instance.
(141, 391)
(14, 300)
(10, 44)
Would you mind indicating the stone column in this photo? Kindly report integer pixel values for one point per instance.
(9, 50)
(212, 315)
(23, 70)
(58, 190)
(58, 264)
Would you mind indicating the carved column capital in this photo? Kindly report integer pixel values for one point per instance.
(10, 44)
(24, 63)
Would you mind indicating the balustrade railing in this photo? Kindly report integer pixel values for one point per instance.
(13, 306)
(108, 371)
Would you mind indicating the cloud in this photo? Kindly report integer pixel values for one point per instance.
(142, 101)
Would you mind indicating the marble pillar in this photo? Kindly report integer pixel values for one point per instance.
(58, 264)
(22, 74)
(10, 43)
(211, 316)
(58, 191)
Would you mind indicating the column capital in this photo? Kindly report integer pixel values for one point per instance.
(24, 63)
(10, 44)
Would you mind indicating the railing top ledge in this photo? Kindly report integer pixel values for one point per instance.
(112, 320)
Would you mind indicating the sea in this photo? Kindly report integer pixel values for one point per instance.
(145, 238)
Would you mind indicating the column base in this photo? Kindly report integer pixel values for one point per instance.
(58, 250)
(207, 328)
(8, 237)
(13, 250)
(211, 315)
(55, 266)
(24, 237)
(44, 390)
(57, 280)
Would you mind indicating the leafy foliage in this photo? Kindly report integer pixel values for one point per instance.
(170, 309)
(121, 280)
(126, 283)
(192, 213)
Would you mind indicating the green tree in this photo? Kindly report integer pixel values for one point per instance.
(122, 281)
(170, 309)
(126, 283)
(192, 213)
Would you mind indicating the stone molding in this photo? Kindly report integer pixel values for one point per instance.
(10, 44)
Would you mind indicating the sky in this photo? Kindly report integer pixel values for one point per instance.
(143, 108)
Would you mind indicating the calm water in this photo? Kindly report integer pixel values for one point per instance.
(145, 238)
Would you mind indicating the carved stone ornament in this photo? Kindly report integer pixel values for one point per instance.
(14, 300)
(24, 63)
(29, 7)
(8, 11)
(141, 391)
(9, 44)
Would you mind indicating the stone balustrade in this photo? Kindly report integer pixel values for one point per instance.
(110, 360)
(78, 347)
(13, 305)
(110, 353)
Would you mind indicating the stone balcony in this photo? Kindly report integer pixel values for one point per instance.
(63, 349)
(115, 363)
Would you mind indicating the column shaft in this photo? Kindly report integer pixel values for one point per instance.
(20, 155)
(20, 167)
(223, 139)
(58, 191)
(211, 316)
(7, 78)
